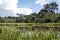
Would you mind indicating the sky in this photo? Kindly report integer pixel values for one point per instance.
(25, 7)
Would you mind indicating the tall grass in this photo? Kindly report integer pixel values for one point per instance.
(10, 33)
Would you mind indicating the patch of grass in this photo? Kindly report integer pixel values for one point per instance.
(30, 24)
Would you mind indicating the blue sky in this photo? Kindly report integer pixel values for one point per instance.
(25, 7)
(29, 4)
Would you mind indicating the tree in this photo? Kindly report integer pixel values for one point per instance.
(20, 18)
(34, 16)
(47, 14)
(44, 16)
(51, 6)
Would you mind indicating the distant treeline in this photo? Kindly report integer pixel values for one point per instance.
(48, 14)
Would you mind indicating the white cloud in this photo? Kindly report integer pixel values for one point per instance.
(0, 1)
(11, 5)
(41, 2)
(24, 11)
